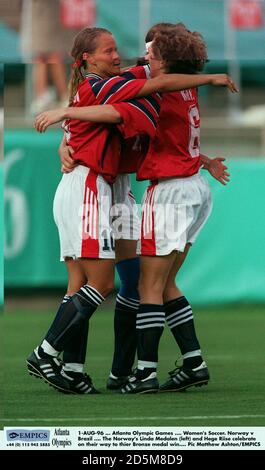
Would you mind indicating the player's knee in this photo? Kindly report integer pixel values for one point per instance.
(109, 288)
(103, 286)
(148, 286)
(171, 291)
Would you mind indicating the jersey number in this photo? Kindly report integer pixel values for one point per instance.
(194, 140)
(108, 241)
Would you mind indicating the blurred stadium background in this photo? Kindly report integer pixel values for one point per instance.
(226, 268)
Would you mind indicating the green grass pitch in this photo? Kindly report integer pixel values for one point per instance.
(232, 339)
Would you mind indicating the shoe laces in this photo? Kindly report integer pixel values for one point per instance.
(132, 377)
(53, 361)
(84, 376)
(60, 361)
(177, 368)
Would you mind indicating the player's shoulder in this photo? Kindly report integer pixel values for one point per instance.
(103, 85)
(86, 85)
(137, 71)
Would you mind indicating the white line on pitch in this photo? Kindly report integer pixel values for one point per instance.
(134, 418)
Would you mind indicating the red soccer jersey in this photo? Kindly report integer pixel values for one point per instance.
(135, 148)
(101, 146)
(98, 146)
(175, 149)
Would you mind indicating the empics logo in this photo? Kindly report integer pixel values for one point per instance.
(28, 435)
(13, 435)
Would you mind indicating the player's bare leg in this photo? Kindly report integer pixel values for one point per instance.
(76, 276)
(153, 277)
(171, 290)
(125, 249)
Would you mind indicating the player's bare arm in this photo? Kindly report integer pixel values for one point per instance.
(216, 168)
(106, 114)
(176, 82)
(65, 153)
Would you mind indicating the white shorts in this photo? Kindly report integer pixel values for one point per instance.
(125, 220)
(173, 213)
(81, 211)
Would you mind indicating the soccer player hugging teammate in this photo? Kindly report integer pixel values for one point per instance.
(176, 206)
(97, 169)
(88, 253)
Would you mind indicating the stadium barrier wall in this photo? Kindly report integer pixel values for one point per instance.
(130, 26)
(1, 236)
(225, 265)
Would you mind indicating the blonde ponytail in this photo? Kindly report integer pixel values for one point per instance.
(76, 78)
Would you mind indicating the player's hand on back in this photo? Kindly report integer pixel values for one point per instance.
(217, 169)
(65, 154)
(222, 79)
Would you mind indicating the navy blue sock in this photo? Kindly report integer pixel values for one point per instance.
(124, 336)
(75, 349)
(126, 308)
(179, 317)
(129, 273)
(57, 318)
(149, 327)
(76, 314)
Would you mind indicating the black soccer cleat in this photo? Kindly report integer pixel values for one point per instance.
(115, 383)
(33, 370)
(182, 378)
(140, 386)
(49, 369)
(79, 383)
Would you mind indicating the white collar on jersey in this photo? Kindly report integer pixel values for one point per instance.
(147, 46)
(93, 75)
